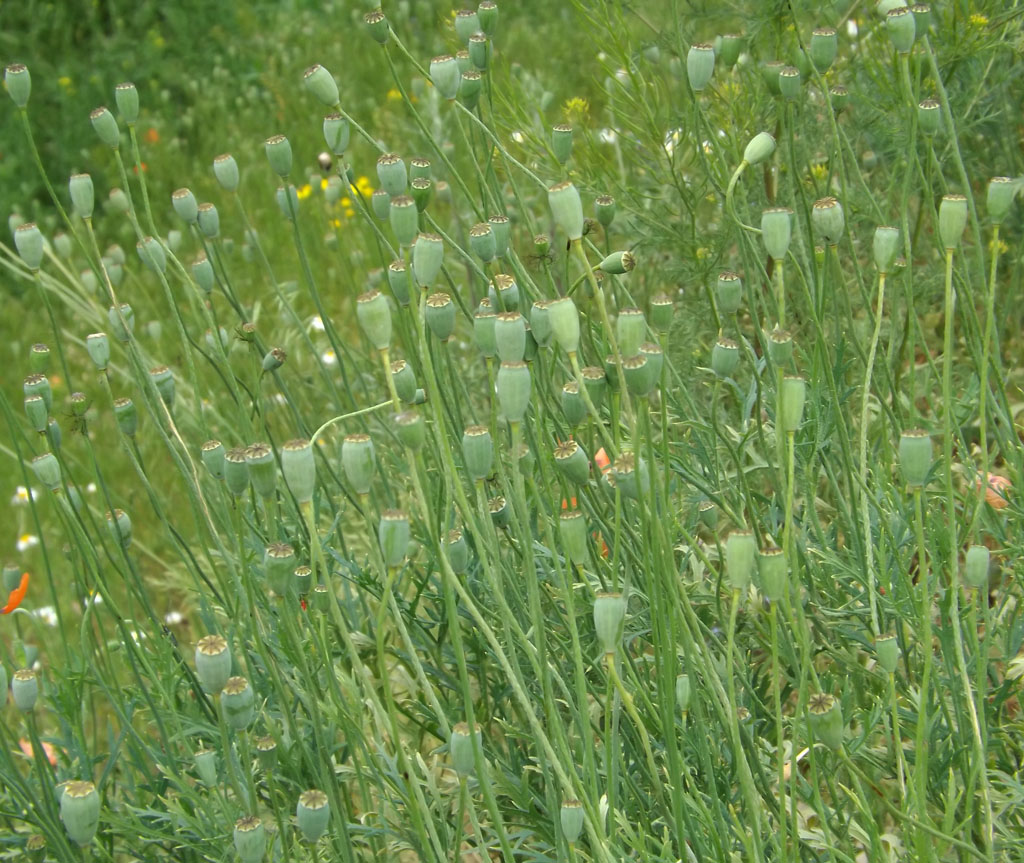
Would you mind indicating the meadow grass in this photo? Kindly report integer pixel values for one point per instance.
(489, 454)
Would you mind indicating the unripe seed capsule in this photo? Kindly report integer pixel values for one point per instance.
(661, 312)
(380, 203)
(885, 247)
(419, 168)
(39, 385)
(826, 720)
(510, 336)
(236, 471)
(777, 231)
(238, 702)
(359, 461)
(571, 459)
(47, 470)
(887, 649)
(596, 383)
(274, 359)
(299, 469)
(312, 814)
(573, 406)
(570, 818)
(337, 133)
(152, 254)
(794, 392)
(422, 191)
(604, 209)
(127, 416)
(789, 83)
(740, 558)
(729, 293)
(725, 358)
(482, 243)
(478, 452)
(976, 566)
(618, 263)
(567, 209)
(206, 766)
(700, 66)
(39, 358)
(80, 811)
(572, 528)
(639, 380)
(513, 390)
(823, 48)
(609, 615)
(565, 324)
(105, 125)
(445, 75)
(302, 578)
(427, 259)
(773, 573)
(392, 174)
(487, 14)
(185, 205)
(163, 380)
(377, 24)
(404, 379)
(213, 662)
(398, 278)
(827, 219)
(38, 415)
(503, 292)
(440, 315)
(780, 346)
(83, 198)
(631, 475)
(394, 535)
(209, 221)
(374, 317)
(502, 230)
(540, 322)
(225, 169)
(250, 839)
(460, 747)
(1001, 192)
(730, 48)
(279, 153)
(321, 84)
(915, 451)
(840, 97)
(929, 116)
(922, 17)
(404, 219)
(410, 430)
(952, 220)
(119, 524)
(900, 24)
(266, 752)
(761, 146)
(18, 82)
(29, 241)
(457, 550)
(278, 566)
(561, 142)
(24, 689)
(212, 454)
(466, 24)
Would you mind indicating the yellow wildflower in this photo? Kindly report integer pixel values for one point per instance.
(819, 171)
(394, 95)
(323, 184)
(978, 20)
(576, 110)
(65, 82)
(1002, 247)
(703, 252)
(304, 192)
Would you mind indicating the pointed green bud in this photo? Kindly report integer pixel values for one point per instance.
(445, 75)
(394, 535)
(952, 220)
(915, 451)
(700, 66)
(900, 24)
(18, 82)
(439, 315)
(826, 720)
(105, 125)
(828, 220)
(609, 617)
(83, 198)
(567, 209)
(777, 231)
(761, 146)
(359, 461)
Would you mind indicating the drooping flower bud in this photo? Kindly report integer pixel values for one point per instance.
(777, 231)
(761, 146)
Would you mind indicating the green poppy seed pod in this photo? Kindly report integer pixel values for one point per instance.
(573, 406)
(541, 245)
(479, 53)
(374, 316)
(225, 169)
(38, 384)
(840, 97)
(478, 452)
(202, 272)
(900, 24)
(392, 174)
(572, 528)
(127, 99)
(62, 245)
(482, 243)
(570, 818)
(238, 702)
(885, 247)
(823, 48)
(976, 566)
(952, 220)
(561, 142)
(359, 461)
(47, 470)
(79, 404)
(609, 616)
(457, 550)
(427, 259)
(279, 153)
(826, 720)
(777, 231)
(510, 336)
(250, 839)
(404, 379)
(780, 346)
(501, 227)
(772, 573)
(122, 321)
(729, 293)
(322, 598)
(206, 766)
(393, 534)
(118, 201)
(106, 127)
(794, 392)
(572, 461)
(637, 373)
(466, 24)
(828, 220)
(487, 15)
(298, 467)
(278, 566)
(540, 322)
(439, 315)
(24, 689)
(208, 220)
(929, 116)
(38, 415)
(18, 82)
(707, 514)
(185, 205)
(422, 192)
(127, 416)
(725, 358)
(266, 752)
(29, 241)
(503, 292)
(273, 359)
(740, 558)
(380, 203)
(39, 358)
(761, 146)
(618, 263)
(999, 199)
(596, 383)
(631, 475)
(404, 218)
(80, 811)
(684, 692)
(444, 75)
(789, 83)
(565, 324)
(460, 747)
(302, 578)
(321, 84)
(83, 197)
(655, 357)
(730, 48)
(484, 321)
(312, 814)
(410, 429)
(174, 239)
(882, 7)
(337, 133)
(604, 210)
(377, 23)
(163, 379)
(611, 372)
(213, 662)
(212, 455)
(152, 254)
(419, 168)
(287, 198)
(236, 471)
(915, 451)
(567, 209)
(887, 650)
(922, 17)
(513, 389)
(700, 66)
(119, 524)
(661, 312)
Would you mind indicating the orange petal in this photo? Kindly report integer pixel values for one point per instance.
(16, 596)
(601, 460)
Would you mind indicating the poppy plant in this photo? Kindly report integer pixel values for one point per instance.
(16, 595)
